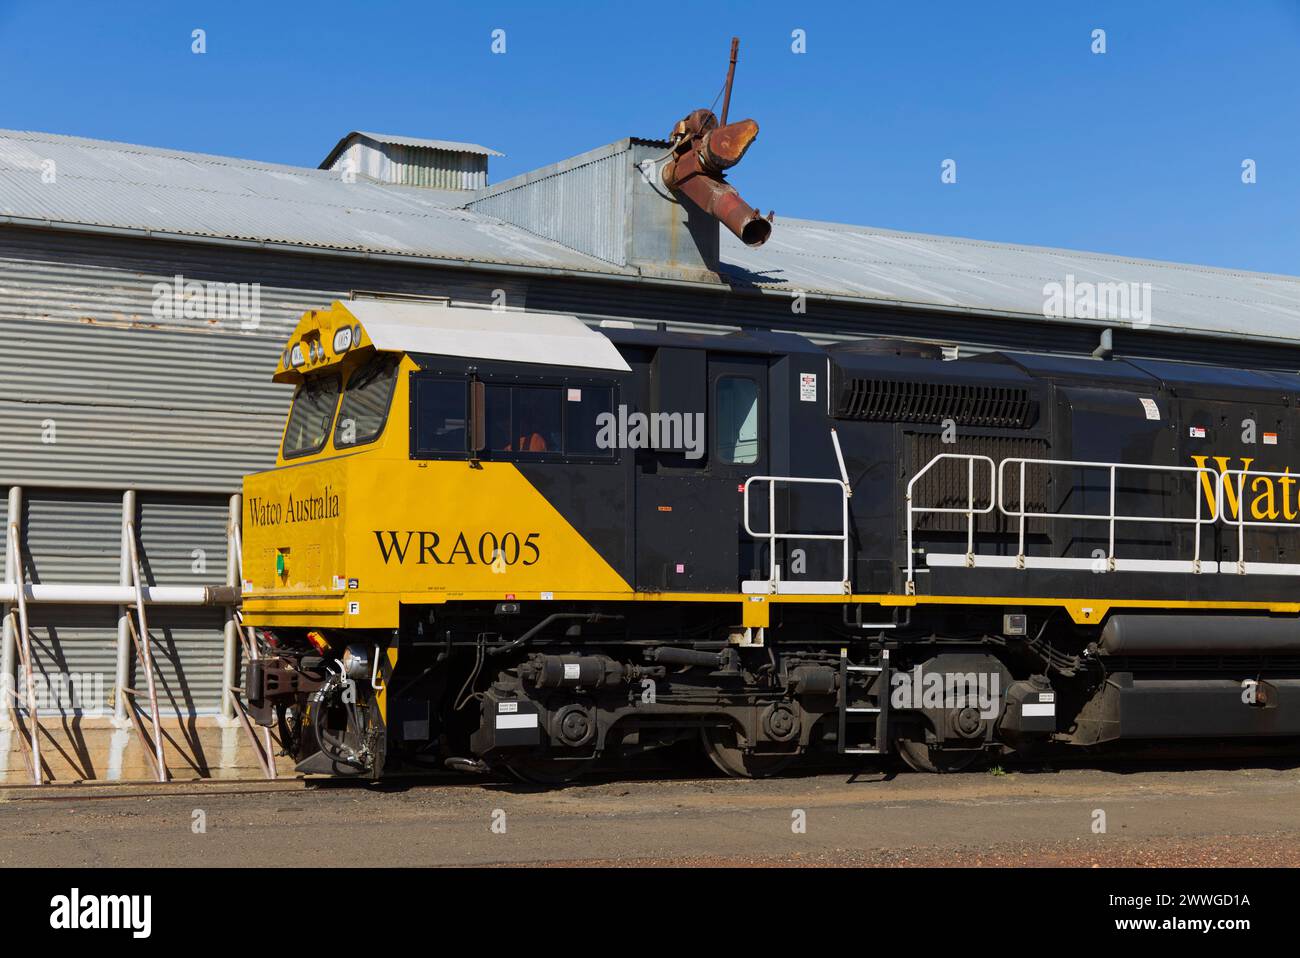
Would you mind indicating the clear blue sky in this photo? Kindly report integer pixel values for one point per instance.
(1136, 151)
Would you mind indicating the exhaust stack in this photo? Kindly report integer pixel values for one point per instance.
(703, 150)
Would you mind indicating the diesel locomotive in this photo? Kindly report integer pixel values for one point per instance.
(497, 540)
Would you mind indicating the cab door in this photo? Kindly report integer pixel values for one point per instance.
(690, 530)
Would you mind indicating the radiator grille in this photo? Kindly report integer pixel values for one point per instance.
(1005, 407)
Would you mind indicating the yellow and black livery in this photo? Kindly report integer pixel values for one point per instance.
(503, 539)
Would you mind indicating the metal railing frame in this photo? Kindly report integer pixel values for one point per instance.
(1241, 522)
(1111, 517)
(130, 592)
(772, 536)
(1217, 512)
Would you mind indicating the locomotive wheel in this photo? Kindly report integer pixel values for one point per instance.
(720, 745)
(549, 771)
(921, 757)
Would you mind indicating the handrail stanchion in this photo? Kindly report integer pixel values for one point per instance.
(1241, 524)
(1020, 551)
(970, 512)
(1110, 545)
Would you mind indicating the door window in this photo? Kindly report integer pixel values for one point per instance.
(737, 414)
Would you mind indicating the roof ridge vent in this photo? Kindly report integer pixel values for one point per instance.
(410, 161)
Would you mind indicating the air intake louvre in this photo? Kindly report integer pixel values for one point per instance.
(966, 404)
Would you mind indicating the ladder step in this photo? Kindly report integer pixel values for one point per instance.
(863, 668)
(856, 709)
(862, 751)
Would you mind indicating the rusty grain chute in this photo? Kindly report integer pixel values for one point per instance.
(702, 152)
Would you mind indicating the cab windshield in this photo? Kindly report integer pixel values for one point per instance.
(364, 409)
(311, 415)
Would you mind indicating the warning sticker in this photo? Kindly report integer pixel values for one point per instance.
(1196, 432)
(1153, 411)
(1270, 439)
(807, 387)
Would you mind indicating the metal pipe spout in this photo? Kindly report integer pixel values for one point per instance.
(702, 151)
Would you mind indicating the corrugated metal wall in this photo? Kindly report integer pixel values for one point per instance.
(582, 204)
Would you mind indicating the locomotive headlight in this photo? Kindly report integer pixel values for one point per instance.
(343, 339)
(296, 357)
(356, 663)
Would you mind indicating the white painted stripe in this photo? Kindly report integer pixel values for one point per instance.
(517, 721)
(1039, 708)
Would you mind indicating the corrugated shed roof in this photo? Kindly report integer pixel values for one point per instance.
(451, 146)
(956, 274)
(123, 186)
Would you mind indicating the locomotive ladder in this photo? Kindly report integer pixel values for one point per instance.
(849, 712)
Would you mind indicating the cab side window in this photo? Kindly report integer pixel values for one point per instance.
(737, 413)
(440, 407)
(526, 422)
(538, 420)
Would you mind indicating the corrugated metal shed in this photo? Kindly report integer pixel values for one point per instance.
(966, 275)
(116, 185)
(159, 192)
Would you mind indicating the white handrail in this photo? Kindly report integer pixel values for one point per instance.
(970, 511)
(1111, 517)
(1241, 521)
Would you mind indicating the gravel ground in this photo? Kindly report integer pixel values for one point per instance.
(1241, 816)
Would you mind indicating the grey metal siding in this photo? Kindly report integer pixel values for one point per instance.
(181, 403)
(582, 204)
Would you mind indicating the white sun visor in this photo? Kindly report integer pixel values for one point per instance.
(546, 338)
